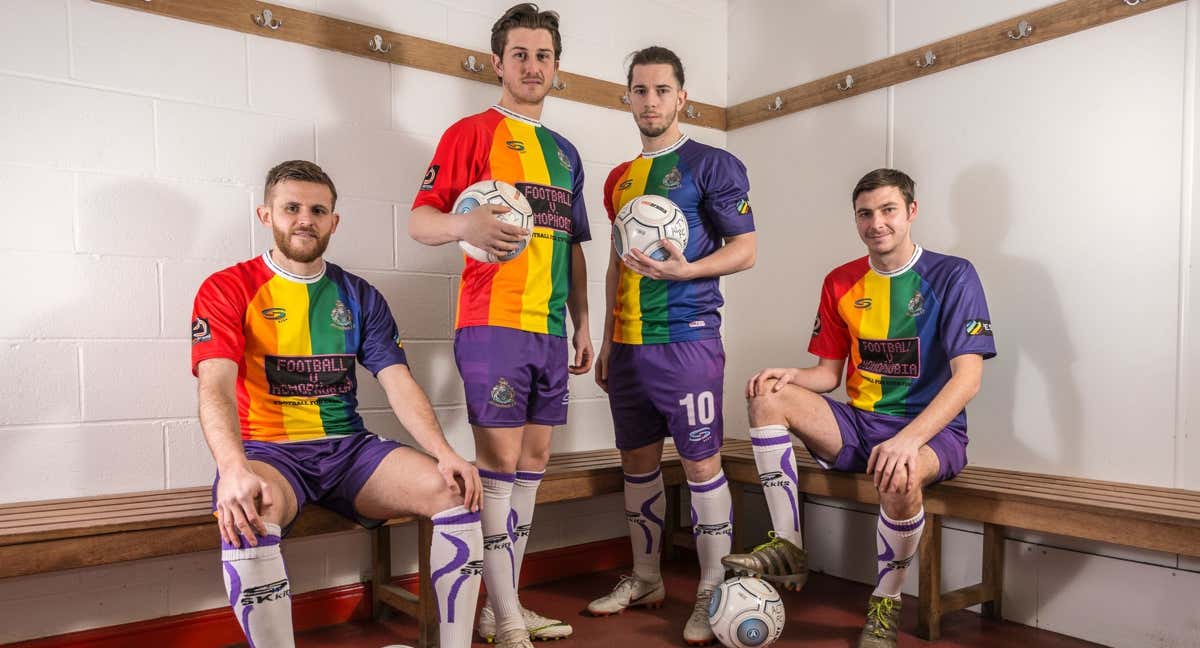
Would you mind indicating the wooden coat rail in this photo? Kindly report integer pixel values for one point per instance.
(1005, 36)
(274, 21)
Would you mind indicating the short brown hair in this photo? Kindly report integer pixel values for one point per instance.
(886, 178)
(525, 15)
(655, 55)
(301, 170)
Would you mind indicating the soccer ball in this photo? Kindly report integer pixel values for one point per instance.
(643, 221)
(497, 193)
(746, 613)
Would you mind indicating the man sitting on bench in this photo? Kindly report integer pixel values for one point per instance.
(274, 344)
(916, 328)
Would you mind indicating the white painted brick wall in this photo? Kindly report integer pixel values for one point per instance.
(114, 49)
(41, 209)
(51, 398)
(134, 151)
(182, 220)
(49, 124)
(37, 43)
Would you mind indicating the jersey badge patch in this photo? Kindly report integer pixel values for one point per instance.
(743, 206)
(342, 318)
(979, 327)
(862, 304)
(275, 314)
(625, 185)
(200, 330)
(673, 179)
(916, 305)
(562, 159)
(817, 326)
(430, 178)
(516, 145)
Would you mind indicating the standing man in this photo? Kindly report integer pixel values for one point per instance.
(510, 344)
(915, 326)
(275, 343)
(662, 362)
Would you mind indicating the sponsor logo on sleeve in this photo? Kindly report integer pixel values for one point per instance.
(816, 326)
(743, 206)
(200, 330)
(975, 327)
(430, 178)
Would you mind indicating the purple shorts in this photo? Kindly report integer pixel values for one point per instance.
(512, 377)
(328, 471)
(862, 431)
(668, 390)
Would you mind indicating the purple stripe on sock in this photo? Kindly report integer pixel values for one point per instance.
(902, 527)
(452, 597)
(695, 520)
(529, 476)
(235, 583)
(511, 529)
(498, 476)
(771, 441)
(461, 518)
(785, 464)
(461, 553)
(704, 488)
(263, 541)
(649, 515)
(246, 624)
(642, 479)
(887, 556)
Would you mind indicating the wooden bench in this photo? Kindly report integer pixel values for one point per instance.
(1146, 517)
(52, 535)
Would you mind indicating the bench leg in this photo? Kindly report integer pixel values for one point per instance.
(993, 570)
(929, 614)
(428, 620)
(381, 551)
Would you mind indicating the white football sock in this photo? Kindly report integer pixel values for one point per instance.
(897, 541)
(456, 558)
(712, 525)
(524, 497)
(645, 508)
(499, 563)
(259, 591)
(776, 463)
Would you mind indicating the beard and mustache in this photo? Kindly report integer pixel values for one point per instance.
(301, 253)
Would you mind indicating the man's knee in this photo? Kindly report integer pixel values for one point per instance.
(702, 470)
(767, 408)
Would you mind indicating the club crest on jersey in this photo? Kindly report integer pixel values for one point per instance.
(562, 159)
(516, 145)
(502, 394)
(200, 330)
(916, 305)
(430, 178)
(275, 314)
(817, 326)
(342, 318)
(673, 179)
(979, 327)
(743, 206)
(625, 185)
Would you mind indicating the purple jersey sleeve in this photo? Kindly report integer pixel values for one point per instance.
(966, 326)
(381, 345)
(726, 191)
(580, 230)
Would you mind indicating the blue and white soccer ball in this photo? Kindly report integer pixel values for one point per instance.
(644, 221)
(746, 612)
(496, 192)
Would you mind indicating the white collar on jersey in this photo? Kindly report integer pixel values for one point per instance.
(290, 276)
(512, 115)
(683, 139)
(902, 269)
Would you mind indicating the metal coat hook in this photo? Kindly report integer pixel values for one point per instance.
(558, 84)
(1134, 3)
(376, 44)
(691, 112)
(471, 65)
(625, 99)
(1023, 29)
(775, 106)
(846, 84)
(266, 19)
(927, 59)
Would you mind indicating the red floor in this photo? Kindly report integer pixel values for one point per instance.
(828, 612)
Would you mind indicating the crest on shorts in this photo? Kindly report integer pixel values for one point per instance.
(342, 318)
(673, 179)
(916, 305)
(562, 159)
(502, 394)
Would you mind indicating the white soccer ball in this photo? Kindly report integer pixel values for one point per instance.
(644, 221)
(746, 613)
(496, 192)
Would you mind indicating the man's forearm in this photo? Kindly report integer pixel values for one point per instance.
(951, 400)
(577, 301)
(430, 226)
(221, 427)
(738, 253)
(413, 409)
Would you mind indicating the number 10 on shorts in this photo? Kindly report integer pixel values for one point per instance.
(701, 405)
